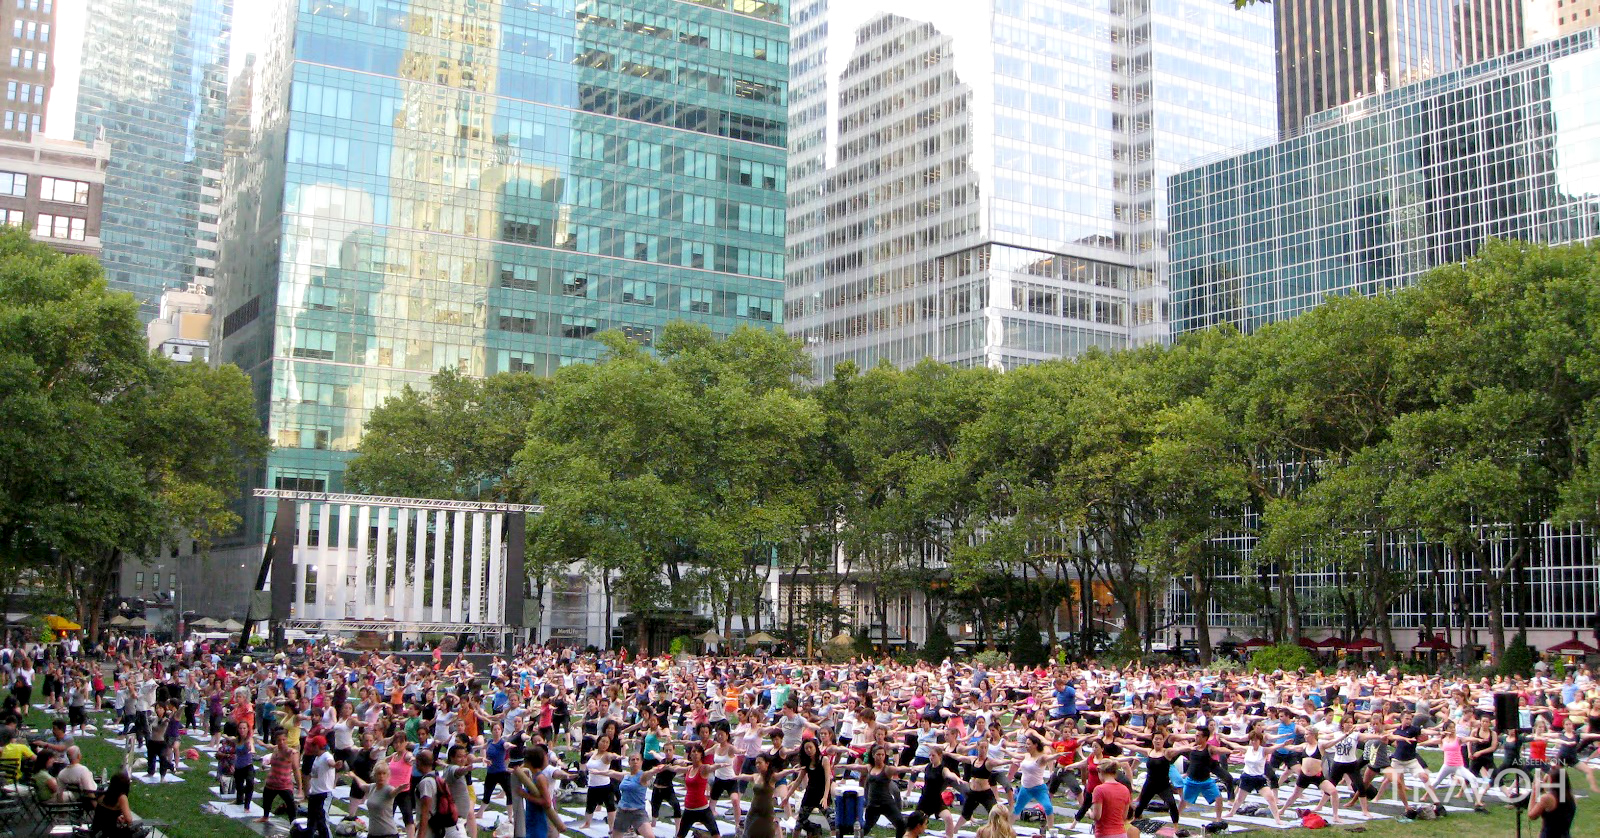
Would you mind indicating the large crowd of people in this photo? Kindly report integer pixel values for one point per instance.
(686, 746)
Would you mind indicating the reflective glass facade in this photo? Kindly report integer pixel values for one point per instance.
(1375, 193)
(159, 97)
(985, 183)
(486, 186)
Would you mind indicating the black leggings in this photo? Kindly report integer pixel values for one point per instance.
(497, 779)
(890, 812)
(696, 816)
(665, 794)
(244, 785)
(1164, 791)
(598, 796)
(156, 754)
(268, 795)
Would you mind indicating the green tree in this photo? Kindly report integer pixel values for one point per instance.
(108, 452)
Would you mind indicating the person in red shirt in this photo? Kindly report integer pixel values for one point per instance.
(1109, 811)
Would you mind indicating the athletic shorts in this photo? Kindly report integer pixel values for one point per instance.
(1252, 782)
(1193, 790)
(1309, 781)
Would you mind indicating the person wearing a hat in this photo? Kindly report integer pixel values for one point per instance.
(319, 785)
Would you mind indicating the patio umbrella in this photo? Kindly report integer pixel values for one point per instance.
(61, 624)
(231, 624)
(1309, 643)
(1434, 643)
(1254, 643)
(138, 623)
(1229, 639)
(710, 637)
(1573, 647)
(1331, 643)
(206, 622)
(120, 621)
(843, 638)
(760, 637)
(1363, 644)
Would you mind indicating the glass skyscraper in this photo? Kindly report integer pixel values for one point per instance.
(154, 85)
(1373, 194)
(985, 183)
(486, 186)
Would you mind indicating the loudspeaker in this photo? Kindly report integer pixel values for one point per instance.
(1506, 716)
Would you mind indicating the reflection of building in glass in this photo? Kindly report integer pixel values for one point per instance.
(154, 84)
(985, 184)
(1335, 51)
(485, 187)
(1371, 195)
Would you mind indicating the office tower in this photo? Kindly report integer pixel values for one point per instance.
(985, 183)
(1372, 195)
(1334, 51)
(154, 85)
(486, 187)
(27, 27)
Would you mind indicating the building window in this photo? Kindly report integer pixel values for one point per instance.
(13, 183)
(16, 57)
(60, 227)
(11, 91)
(10, 120)
(63, 191)
(12, 218)
(138, 581)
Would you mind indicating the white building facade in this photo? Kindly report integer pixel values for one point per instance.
(985, 183)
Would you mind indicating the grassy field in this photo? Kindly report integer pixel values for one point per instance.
(176, 807)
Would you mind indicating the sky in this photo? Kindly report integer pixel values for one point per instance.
(251, 19)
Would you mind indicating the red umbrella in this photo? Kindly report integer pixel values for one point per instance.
(1254, 643)
(1573, 647)
(1331, 643)
(1434, 643)
(1362, 644)
(1309, 643)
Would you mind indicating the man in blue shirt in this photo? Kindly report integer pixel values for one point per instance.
(1066, 700)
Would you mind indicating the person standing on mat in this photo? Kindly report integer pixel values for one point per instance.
(1109, 809)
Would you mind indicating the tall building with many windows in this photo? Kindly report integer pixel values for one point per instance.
(28, 39)
(1335, 51)
(487, 186)
(154, 85)
(1373, 194)
(985, 183)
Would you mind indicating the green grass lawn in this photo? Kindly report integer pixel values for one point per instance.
(176, 807)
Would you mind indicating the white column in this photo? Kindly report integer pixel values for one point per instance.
(494, 611)
(319, 609)
(475, 584)
(399, 599)
(341, 568)
(363, 607)
(437, 612)
(302, 555)
(419, 558)
(458, 588)
(380, 585)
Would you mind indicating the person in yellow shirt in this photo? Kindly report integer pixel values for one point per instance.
(14, 750)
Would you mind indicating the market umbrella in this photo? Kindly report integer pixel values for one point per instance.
(1254, 643)
(1363, 644)
(710, 637)
(231, 624)
(1230, 639)
(1330, 643)
(120, 621)
(1432, 643)
(1573, 647)
(843, 638)
(138, 623)
(1309, 643)
(61, 624)
(206, 622)
(760, 637)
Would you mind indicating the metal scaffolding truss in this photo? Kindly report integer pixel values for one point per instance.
(412, 503)
(386, 626)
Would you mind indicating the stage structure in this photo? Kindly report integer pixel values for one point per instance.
(393, 565)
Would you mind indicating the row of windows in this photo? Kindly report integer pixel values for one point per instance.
(61, 227)
(30, 30)
(28, 59)
(25, 93)
(13, 121)
(45, 6)
(155, 581)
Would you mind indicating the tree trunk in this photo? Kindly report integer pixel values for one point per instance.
(1291, 605)
(605, 587)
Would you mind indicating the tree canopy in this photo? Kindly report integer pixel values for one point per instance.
(1457, 415)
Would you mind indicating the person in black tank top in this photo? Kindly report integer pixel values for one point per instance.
(1554, 806)
(1158, 776)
